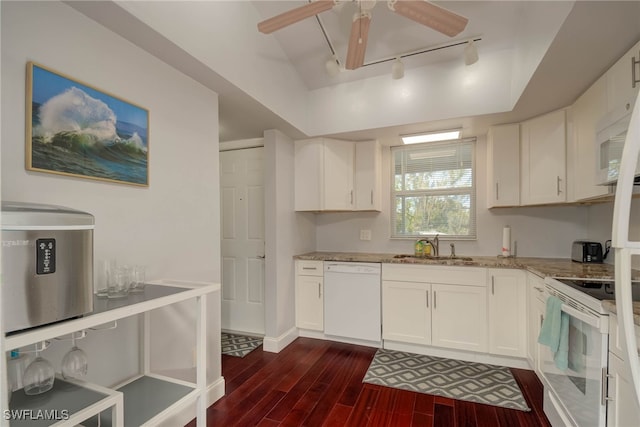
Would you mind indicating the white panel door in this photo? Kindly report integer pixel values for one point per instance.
(338, 175)
(242, 228)
(310, 302)
(459, 317)
(503, 165)
(406, 312)
(508, 312)
(544, 168)
(622, 409)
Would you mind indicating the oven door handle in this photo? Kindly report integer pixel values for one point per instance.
(589, 319)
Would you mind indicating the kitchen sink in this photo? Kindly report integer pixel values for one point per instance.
(435, 258)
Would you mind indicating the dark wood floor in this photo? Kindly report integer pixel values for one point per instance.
(319, 383)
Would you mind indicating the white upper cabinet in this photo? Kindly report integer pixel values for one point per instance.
(324, 175)
(503, 165)
(543, 161)
(620, 85)
(368, 177)
(337, 175)
(581, 152)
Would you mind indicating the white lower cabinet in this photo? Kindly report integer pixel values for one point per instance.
(507, 297)
(622, 409)
(459, 317)
(406, 312)
(309, 295)
(417, 308)
(535, 313)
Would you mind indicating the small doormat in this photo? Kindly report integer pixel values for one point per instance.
(239, 345)
(455, 379)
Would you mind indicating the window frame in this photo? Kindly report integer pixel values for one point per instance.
(472, 192)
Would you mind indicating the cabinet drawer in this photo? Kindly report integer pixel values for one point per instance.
(309, 268)
(470, 276)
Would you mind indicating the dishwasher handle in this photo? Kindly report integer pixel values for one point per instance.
(352, 268)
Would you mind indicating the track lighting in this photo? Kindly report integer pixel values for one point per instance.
(397, 69)
(470, 53)
(333, 69)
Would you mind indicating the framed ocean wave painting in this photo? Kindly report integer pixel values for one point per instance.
(77, 130)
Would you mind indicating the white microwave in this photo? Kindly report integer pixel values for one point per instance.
(611, 133)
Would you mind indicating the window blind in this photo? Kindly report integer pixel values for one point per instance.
(433, 190)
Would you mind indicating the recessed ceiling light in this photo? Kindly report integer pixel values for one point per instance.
(443, 135)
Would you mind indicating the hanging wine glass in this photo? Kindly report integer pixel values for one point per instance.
(74, 363)
(39, 375)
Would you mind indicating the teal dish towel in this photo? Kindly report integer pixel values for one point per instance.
(550, 330)
(554, 332)
(561, 357)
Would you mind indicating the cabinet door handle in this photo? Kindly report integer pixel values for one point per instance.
(558, 185)
(427, 295)
(371, 197)
(319, 290)
(351, 196)
(434, 300)
(634, 78)
(493, 285)
(309, 268)
(603, 393)
(497, 191)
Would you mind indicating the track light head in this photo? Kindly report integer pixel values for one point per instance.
(470, 53)
(397, 69)
(332, 67)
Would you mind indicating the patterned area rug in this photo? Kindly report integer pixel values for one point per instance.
(473, 382)
(239, 345)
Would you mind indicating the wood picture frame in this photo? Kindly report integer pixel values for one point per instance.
(75, 129)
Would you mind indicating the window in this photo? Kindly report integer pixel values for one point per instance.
(433, 190)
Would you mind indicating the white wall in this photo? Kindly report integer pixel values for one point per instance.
(173, 225)
(539, 231)
(601, 226)
(287, 233)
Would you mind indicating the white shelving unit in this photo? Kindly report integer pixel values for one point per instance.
(148, 399)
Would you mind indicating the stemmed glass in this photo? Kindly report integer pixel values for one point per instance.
(74, 363)
(39, 375)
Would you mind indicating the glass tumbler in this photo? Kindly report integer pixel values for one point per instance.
(106, 272)
(119, 287)
(138, 279)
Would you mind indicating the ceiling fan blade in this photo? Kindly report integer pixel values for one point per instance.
(431, 15)
(358, 42)
(294, 15)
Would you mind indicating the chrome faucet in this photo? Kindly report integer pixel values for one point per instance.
(453, 249)
(435, 244)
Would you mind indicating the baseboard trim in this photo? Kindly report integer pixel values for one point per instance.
(321, 336)
(215, 391)
(277, 344)
(511, 362)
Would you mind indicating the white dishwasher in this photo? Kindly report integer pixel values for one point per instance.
(352, 300)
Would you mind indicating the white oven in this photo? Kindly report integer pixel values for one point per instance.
(576, 396)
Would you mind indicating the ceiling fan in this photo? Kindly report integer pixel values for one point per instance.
(421, 11)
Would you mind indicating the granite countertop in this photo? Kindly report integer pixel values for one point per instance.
(543, 267)
(554, 267)
(610, 305)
